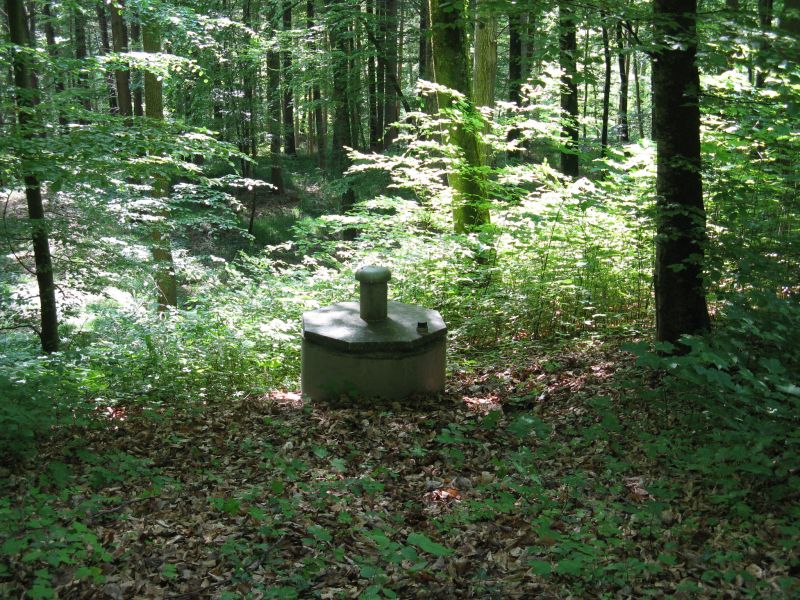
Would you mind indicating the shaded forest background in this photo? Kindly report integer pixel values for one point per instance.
(182, 180)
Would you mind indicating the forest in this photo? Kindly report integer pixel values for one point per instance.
(599, 197)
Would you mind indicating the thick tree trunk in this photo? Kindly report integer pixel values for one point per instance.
(569, 88)
(26, 96)
(451, 69)
(606, 85)
(679, 289)
(380, 73)
(424, 41)
(289, 143)
(166, 286)
(119, 40)
(624, 135)
(484, 72)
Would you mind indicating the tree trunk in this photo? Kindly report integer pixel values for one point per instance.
(606, 85)
(342, 134)
(316, 96)
(679, 289)
(484, 72)
(289, 144)
(763, 45)
(515, 31)
(390, 111)
(380, 73)
(638, 92)
(105, 48)
(27, 97)
(451, 69)
(166, 286)
(52, 50)
(372, 86)
(136, 75)
(274, 117)
(624, 135)
(569, 88)
(80, 55)
(119, 40)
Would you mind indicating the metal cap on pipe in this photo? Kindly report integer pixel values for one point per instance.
(373, 292)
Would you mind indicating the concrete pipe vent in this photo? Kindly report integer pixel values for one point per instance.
(372, 348)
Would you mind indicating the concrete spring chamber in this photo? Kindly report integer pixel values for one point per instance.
(373, 348)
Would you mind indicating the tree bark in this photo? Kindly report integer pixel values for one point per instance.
(105, 48)
(372, 85)
(515, 31)
(289, 143)
(484, 72)
(135, 74)
(606, 85)
(81, 54)
(119, 41)
(391, 108)
(316, 96)
(451, 69)
(27, 97)
(624, 134)
(52, 50)
(680, 219)
(342, 134)
(569, 88)
(167, 289)
(763, 46)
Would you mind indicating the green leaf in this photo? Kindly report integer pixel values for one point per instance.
(425, 544)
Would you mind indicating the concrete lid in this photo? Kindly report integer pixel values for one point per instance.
(340, 326)
(373, 274)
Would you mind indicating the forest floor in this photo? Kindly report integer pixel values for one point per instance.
(548, 477)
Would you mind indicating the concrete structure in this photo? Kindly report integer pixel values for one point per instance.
(373, 348)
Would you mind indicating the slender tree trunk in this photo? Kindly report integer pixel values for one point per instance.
(316, 95)
(624, 135)
(763, 46)
(451, 69)
(586, 77)
(52, 50)
(681, 221)
(390, 110)
(638, 92)
(606, 85)
(161, 249)
(515, 32)
(342, 134)
(289, 143)
(274, 117)
(569, 88)
(80, 54)
(380, 75)
(136, 75)
(372, 86)
(119, 40)
(105, 48)
(27, 97)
